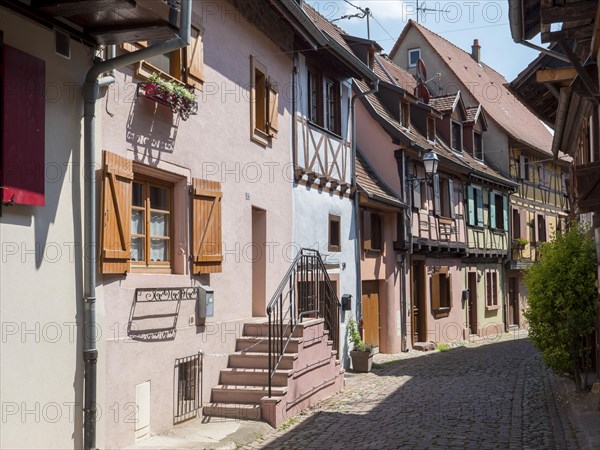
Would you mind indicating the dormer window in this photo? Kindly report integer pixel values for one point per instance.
(404, 114)
(456, 136)
(431, 129)
(477, 146)
(414, 54)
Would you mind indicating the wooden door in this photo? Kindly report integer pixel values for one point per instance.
(513, 301)
(472, 305)
(418, 307)
(370, 312)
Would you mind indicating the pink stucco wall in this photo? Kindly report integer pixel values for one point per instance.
(215, 144)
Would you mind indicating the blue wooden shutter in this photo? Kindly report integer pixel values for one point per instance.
(505, 207)
(471, 205)
(436, 194)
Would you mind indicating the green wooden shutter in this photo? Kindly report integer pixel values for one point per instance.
(479, 205)
(492, 209)
(471, 205)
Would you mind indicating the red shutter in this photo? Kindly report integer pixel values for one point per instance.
(23, 126)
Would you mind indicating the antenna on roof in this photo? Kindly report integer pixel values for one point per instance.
(364, 12)
(424, 9)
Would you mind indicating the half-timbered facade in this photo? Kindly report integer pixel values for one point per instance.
(322, 154)
(515, 139)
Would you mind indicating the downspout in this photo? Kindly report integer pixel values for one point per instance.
(91, 93)
(516, 30)
(355, 97)
(408, 212)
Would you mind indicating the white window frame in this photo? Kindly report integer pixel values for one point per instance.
(410, 51)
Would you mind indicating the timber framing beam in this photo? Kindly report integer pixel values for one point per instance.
(590, 85)
(583, 32)
(555, 75)
(571, 11)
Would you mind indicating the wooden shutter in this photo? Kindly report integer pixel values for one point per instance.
(416, 195)
(194, 56)
(479, 206)
(471, 205)
(22, 155)
(505, 208)
(206, 227)
(492, 197)
(449, 293)
(366, 230)
(522, 167)
(488, 288)
(272, 108)
(523, 223)
(435, 292)
(436, 194)
(451, 197)
(116, 213)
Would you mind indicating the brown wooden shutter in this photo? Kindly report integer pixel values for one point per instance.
(416, 191)
(272, 108)
(367, 232)
(435, 292)
(449, 293)
(195, 56)
(488, 288)
(206, 228)
(116, 213)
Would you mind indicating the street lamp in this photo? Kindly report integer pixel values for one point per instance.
(430, 161)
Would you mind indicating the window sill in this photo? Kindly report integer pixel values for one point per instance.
(260, 137)
(151, 269)
(144, 70)
(324, 130)
(445, 220)
(373, 252)
(441, 313)
(492, 307)
(499, 231)
(334, 248)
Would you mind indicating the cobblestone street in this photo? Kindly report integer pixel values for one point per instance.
(483, 396)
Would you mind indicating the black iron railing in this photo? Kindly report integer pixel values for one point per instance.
(305, 292)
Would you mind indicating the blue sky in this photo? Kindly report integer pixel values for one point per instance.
(458, 21)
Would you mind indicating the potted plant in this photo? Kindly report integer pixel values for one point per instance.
(181, 100)
(520, 243)
(361, 353)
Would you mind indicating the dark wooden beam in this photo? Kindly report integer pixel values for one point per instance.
(132, 33)
(587, 80)
(584, 32)
(555, 75)
(67, 8)
(571, 11)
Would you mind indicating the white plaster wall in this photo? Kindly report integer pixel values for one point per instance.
(40, 270)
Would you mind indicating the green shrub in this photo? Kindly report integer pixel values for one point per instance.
(562, 301)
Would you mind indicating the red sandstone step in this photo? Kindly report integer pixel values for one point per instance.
(233, 410)
(258, 344)
(255, 377)
(260, 360)
(244, 394)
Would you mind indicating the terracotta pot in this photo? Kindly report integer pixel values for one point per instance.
(361, 361)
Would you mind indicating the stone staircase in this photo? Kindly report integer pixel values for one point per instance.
(308, 372)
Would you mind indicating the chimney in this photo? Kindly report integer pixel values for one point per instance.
(476, 51)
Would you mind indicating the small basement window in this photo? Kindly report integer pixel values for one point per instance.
(335, 233)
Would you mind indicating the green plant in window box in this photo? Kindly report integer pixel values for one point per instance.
(181, 100)
(521, 243)
(361, 353)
